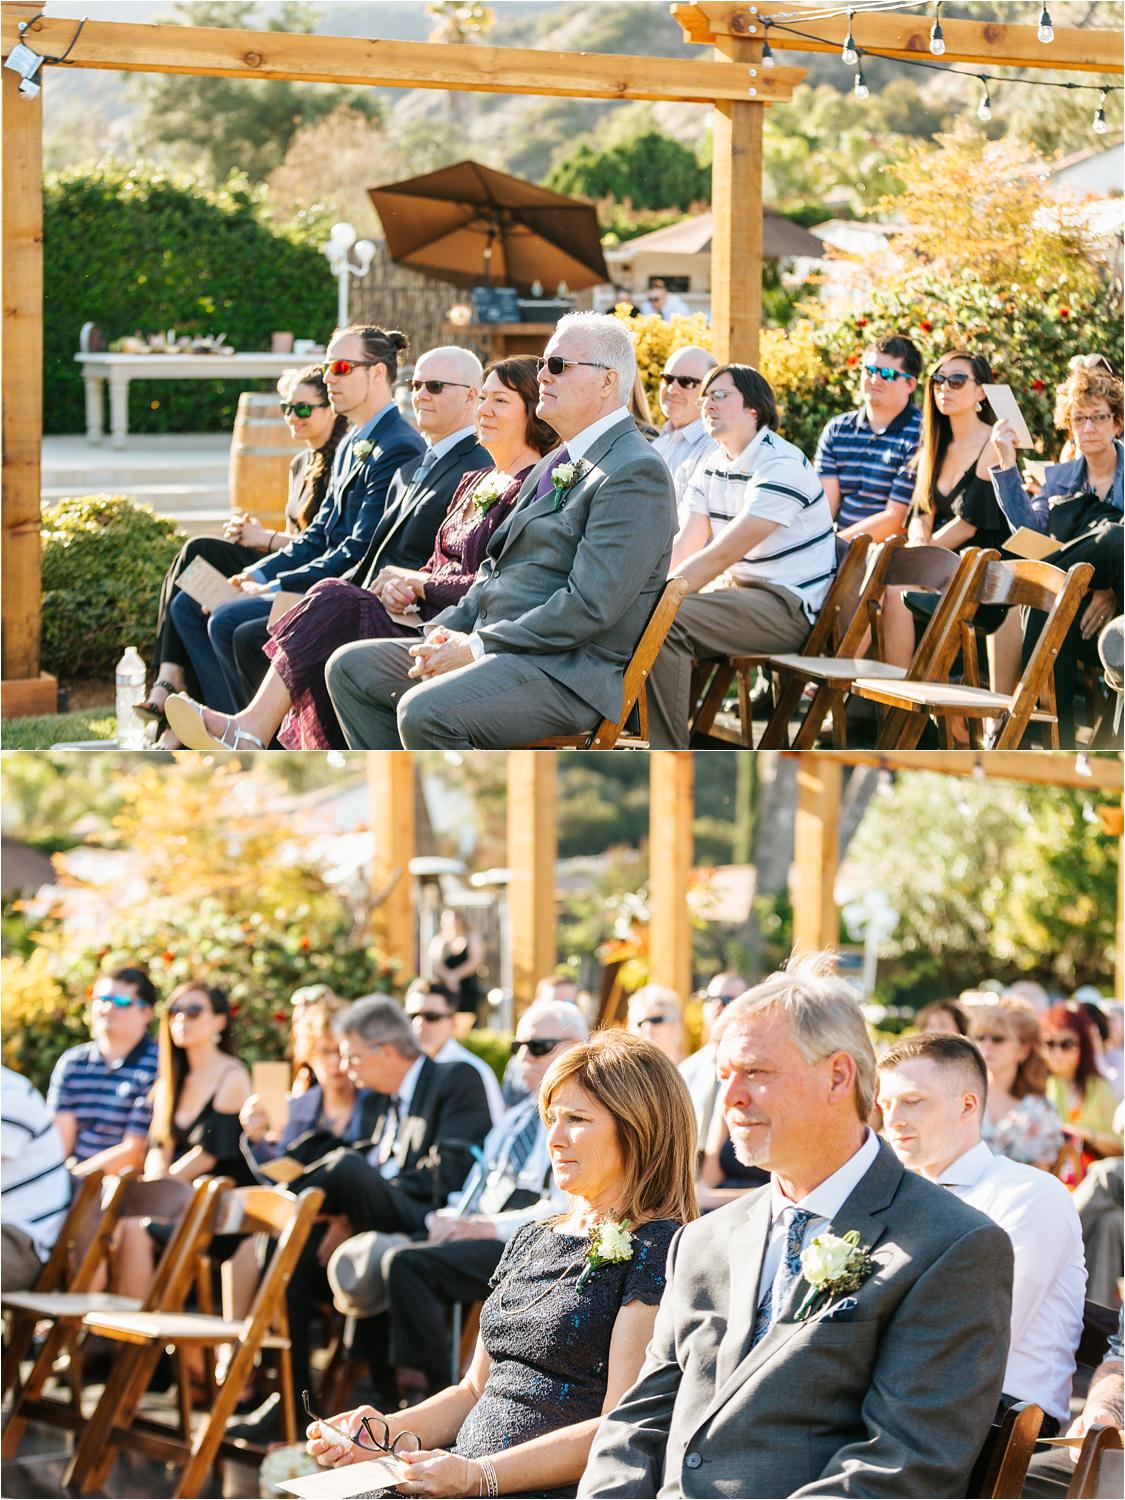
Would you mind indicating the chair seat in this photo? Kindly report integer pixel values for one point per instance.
(952, 697)
(838, 668)
(68, 1304)
(179, 1328)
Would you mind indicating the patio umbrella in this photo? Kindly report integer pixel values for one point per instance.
(469, 224)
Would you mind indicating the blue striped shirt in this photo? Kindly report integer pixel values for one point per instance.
(109, 1099)
(872, 468)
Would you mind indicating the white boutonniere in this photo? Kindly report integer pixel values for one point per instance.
(610, 1243)
(833, 1265)
(566, 476)
(489, 489)
(363, 449)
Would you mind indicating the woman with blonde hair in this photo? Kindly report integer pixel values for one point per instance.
(1020, 1121)
(574, 1299)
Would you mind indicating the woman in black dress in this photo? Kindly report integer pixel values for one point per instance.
(574, 1299)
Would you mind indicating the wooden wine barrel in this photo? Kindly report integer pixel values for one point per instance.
(261, 451)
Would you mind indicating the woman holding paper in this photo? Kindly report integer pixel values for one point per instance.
(311, 421)
(574, 1300)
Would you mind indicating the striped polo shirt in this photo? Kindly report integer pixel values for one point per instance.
(34, 1182)
(872, 468)
(772, 480)
(110, 1099)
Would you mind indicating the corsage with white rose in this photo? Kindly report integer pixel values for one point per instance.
(610, 1244)
(833, 1265)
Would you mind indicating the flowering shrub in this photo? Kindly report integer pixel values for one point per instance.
(654, 340)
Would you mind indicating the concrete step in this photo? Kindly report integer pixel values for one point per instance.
(164, 498)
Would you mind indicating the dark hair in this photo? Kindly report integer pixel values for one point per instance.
(433, 987)
(898, 346)
(948, 1052)
(172, 1067)
(937, 431)
(1072, 1018)
(752, 386)
(942, 1007)
(319, 469)
(1096, 1017)
(381, 345)
(519, 375)
(146, 990)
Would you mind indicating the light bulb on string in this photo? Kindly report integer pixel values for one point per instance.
(984, 108)
(1100, 125)
(1046, 32)
(937, 36)
(861, 91)
(768, 59)
(849, 56)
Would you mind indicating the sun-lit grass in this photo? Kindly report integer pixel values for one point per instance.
(44, 730)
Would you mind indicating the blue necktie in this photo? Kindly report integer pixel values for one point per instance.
(787, 1275)
(511, 1154)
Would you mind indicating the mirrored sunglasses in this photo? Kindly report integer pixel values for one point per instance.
(119, 1002)
(346, 366)
(300, 409)
(884, 372)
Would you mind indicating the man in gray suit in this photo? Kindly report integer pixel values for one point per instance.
(539, 644)
(765, 1379)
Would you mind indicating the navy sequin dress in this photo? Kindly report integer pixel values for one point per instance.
(549, 1342)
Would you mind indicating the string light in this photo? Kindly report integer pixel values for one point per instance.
(984, 108)
(849, 56)
(861, 90)
(1046, 32)
(937, 36)
(1100, 126)
(768, 59)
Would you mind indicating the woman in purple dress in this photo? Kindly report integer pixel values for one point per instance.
(293, 700)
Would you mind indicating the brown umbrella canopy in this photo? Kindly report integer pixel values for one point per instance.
(468, 224)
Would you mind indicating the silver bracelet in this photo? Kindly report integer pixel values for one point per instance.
(488, 1469)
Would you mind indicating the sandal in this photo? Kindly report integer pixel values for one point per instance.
(185, 720)
(148, 709)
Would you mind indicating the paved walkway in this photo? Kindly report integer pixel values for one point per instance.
(182, 476)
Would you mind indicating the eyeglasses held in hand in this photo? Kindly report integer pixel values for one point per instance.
(189, 1012)
(559, 366)
(435, 387)
(405, 1442)
(346, 366)
(538, 1048)
(686, 382)
(119, 1002)
(954, 382)
(300, 409)
(884, 372)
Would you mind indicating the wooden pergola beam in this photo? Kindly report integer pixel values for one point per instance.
(228, 52)
(671, 811)
(1100, 771)
(532, 851)
(390, 784)
(989, 44)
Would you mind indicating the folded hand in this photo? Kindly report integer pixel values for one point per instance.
(435, 1472)
(442, 651)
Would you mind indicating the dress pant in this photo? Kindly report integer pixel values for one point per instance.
(250, 660)
(207, 638)
(423, 1281)
(226, 627)
(230, 558)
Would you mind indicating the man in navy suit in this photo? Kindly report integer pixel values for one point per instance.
(360, 371)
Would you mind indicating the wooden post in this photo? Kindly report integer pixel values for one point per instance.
(816, 852)
(532, 847)
(25, 690)
(736, 208)
(671, 806)
(390, 781)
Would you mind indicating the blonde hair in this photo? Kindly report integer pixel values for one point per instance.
(1082, 386)
(653, 1114)
(314, 1022)
(823, 1012)
(1022, 1024)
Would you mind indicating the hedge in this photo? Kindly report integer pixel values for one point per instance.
(144, 251)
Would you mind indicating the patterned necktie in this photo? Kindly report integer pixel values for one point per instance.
(390, 1131)
(788, 1272)
(544, 486)
(513, 1151)
(429, 458)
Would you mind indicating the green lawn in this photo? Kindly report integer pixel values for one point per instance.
(45, 730)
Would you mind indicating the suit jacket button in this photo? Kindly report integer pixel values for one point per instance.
(692, 1460)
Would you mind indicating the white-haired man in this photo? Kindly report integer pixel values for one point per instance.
(788, 1359)
(684, 439)
(539, 644)
(932, 1091)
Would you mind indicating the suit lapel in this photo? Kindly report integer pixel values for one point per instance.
(527, 507)
(746, 1248)
(412, 1130)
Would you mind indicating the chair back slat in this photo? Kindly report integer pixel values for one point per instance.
(853, 566)
(1097, 1443)
(292, 1217)
(254, 1210)
(941, 640)
(929, 567)
(1037, 678)
(1012, 582)
(175, 1270)
(1001, 1467)
(77, 1230)
(163, 1198)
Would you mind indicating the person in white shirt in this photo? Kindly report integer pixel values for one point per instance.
(34, 1183)
(932, 1092)
(758, 549)
(684, 439)
(432, 1009)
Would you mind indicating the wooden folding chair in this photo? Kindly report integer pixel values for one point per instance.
(711, 680)
(1001, 1468)
(115, 1423)
(123, 1197)
(892, 565)
(615, 732)
(1010, 583)
(1097, 1444)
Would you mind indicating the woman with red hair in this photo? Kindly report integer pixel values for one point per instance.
(1083, 1098)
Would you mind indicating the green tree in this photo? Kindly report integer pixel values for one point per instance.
(650, 171)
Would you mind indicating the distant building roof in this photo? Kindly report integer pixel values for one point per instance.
(781, 238)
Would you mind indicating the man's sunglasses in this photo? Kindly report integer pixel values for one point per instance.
(559, 366)
(300, 409)
(687, 382)
(537, 1049)
(346, 366)
(405, 1442)
(189, 1012)
(119, 1002)
(431, 1015)
(884, 372)
(435, 387)
(954, 382)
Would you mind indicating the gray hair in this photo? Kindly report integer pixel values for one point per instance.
(566, 1019)
(378, 1020)
(656, 997)
(822, 1010)
(463, 361)
(609, 342)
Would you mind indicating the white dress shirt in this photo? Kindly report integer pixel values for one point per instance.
(681, 448)
(825, 1201)
(395, 1117)
(451, 439)
(1049, 1283)
(698, 1072)
(454, 1052)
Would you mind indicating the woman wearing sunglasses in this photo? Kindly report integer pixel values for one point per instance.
(1085, 1101)
(293, 701)
(1020, 1122)
(311, 421)
(574, 1299)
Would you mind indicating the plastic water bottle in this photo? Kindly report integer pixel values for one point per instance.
(130, 692)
